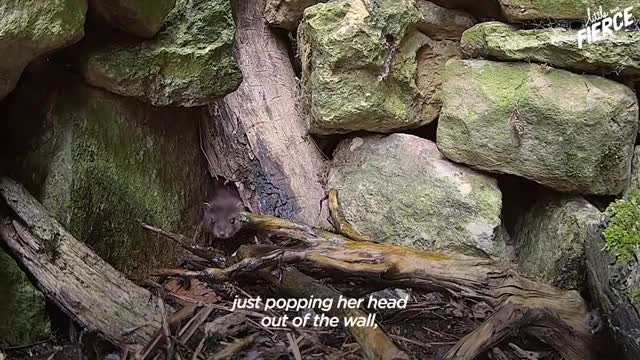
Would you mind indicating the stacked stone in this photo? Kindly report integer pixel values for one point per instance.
(520, 97)
(102, 159)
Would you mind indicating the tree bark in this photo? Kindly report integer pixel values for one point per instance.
(80, 283)
(257, 136)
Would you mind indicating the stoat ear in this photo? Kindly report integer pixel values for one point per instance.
(239, 204)
(207, 206)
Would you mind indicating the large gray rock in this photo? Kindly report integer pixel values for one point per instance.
(399, 189)
(614, 272)
(565, 131)
(188, 63)
(23, 316)
(30, 28)
(550, 239)
(142, 18)
(103, 164)
(359, 65)
(441, 23)
(618, 55)
(533, 10)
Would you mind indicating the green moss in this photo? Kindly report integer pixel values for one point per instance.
(622, 235)
(23, 317)
(188, 63)
(111, 163)
(635, 296)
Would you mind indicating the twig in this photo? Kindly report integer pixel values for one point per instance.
(208, 253)
(245, 266)
(410, 341)
(293, 346)
(196, 353)
(234, 348)
(188, 330)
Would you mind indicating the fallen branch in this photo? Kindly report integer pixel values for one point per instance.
(94, 294)
(374, 342)
(464, 276)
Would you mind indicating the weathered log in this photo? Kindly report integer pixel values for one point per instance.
(464, 276)
(257, 136)
(91, 292)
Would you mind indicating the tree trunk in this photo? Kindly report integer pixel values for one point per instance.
(90, 291)
(257, 136)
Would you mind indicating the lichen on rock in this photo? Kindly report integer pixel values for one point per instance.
(188, 63)
(399, 189)
(618, 54)
(359, 65)
(569, 132)
(31, 28)
(550, 239)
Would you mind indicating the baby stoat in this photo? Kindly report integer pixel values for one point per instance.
(221, 214)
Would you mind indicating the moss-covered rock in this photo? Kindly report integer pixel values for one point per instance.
(142, 18)
(23, 317)
(618, 55)
(188, 63)
(359, 65)
(614, 272)
(565, 131)
(30, 28)
(399, 189)
(287, 14)
(103, 164)
(550, 239)
(441, 23)
(532, 10)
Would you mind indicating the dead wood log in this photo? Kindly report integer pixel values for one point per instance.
(557, 317)
(80, 283)
(257, 137)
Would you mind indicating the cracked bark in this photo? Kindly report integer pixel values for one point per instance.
(257, 137)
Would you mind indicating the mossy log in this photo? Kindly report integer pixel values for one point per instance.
(94, 294)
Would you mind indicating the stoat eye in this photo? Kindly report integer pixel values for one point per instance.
(233, 220)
